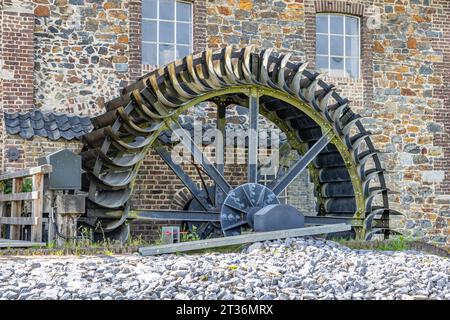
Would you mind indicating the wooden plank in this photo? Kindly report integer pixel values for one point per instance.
(242, 239)
(16, 209)
(18, 221)
(46, 168)
(37, 207)
(7, 243)
(19, 196)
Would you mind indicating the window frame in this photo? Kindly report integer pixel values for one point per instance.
(175, 22)
(345, 36)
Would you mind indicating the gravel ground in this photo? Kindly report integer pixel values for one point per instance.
(291, 269)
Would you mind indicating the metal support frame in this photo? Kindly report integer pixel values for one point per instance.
(178, 215)
(252, 171)
(197, 154)
(183, 176)
(301, 149)
(220, 149)
(300, 165)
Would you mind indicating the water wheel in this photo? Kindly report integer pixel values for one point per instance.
(318, 123)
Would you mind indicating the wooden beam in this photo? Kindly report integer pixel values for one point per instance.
(243, 239)
(18, 221)
(16, 209)
(7, 243)
(46, 168)
(19, 196)
(37, 207)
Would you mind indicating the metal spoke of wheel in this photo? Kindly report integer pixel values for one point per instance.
(253, 138)
(220, 149)
(209, 168)
(205, 187)
(236, 208)
(174, 215)
(300, 165)
(239, 224)
(183, 176)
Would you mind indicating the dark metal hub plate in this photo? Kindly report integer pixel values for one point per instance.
(242, 202)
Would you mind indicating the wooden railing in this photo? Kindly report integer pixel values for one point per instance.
(17, 197)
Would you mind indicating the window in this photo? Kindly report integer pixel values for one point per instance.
(338, 44)
(166, 31)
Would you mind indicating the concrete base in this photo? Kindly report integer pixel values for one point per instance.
(278, 217)
(67, 228)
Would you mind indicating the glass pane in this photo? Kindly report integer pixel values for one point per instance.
(336, 24)
(322, 44)
(322, 62)
(352, 46)
(184, 11)
(337, 45)
(166, 32)
(183, 51)
(149, 30)
(166, 53)
(337, 63)
(351, 25)
(184, 33)
(352, 68)
(149, 54)
(149, 8)
(322, 23)
(166, 9)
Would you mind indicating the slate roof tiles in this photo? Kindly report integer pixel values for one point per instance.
(50, 125)
(56, 126)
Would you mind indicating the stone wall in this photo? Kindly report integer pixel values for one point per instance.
(407, 70)
(72, 55)
(81, 54)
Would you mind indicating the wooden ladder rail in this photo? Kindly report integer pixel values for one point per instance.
(16, 221)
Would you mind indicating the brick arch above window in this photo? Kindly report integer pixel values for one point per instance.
(344, 7)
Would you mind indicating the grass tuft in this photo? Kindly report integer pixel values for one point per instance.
(399, 243)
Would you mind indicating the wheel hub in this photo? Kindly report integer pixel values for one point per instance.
(241, 204)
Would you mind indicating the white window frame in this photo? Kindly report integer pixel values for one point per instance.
(345, 35)
(175, 21)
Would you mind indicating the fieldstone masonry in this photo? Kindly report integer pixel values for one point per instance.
(72, 55)
(81, 54)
